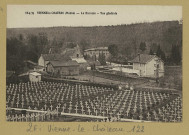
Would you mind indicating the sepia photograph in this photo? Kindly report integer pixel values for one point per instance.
(94, 63)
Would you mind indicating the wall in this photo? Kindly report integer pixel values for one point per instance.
(126, 70)
(70, 70)
(33, 78)
(138, 66)
(150, 68)
(97, 52)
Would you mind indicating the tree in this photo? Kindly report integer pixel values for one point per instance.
(151, 52)
(54, 42)
(55, 47)
(163, 57)
(16, 54)
(113, 49)
(102, 59)
(142, 46)
(160, 53)
(20, 37)
(42, 42)
(69, 37)
(127, 51)
(154, 47)
(134, 37)
(175, 54)
(83, 44)
(33, 50)
(36, 45)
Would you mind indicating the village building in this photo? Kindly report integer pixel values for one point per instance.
(96, 52)
(56, 63)
(148, 65)
(72, 52)
(63, 68)
(34, 77)
(76, 55)
(67, 54)
(82, 64)
(45, 58)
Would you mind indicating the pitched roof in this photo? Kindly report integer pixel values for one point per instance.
(96, 49)
(35, 74)
(54, 57)
(31, 62)
(50, 57)
(144, 58)
(39, 67)
(69, 52)
(64, 63)
(79, 60)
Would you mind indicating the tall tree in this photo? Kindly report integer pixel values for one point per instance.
(142, 46)
(83, 44)
(54, 42)
(175, 54)
(151, 52)
(42, 42)
(113, 49)
(15, 55)
(160, 53)
(20, 37)
(36, 43)
(102, 59)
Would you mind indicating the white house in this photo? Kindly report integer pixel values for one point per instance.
(149, 65)
(34, 77)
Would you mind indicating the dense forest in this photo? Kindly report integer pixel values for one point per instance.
(162, 38)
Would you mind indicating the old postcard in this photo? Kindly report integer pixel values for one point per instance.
(110, 68)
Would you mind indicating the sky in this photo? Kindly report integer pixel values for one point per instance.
(126, 14)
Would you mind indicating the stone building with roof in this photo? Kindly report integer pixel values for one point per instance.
(45, 58)
(148, 65)
(63, 68)
(73, 52)
(56, 63)
(95, 52)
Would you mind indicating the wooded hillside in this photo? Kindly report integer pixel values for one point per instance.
(129, 39)
(164, 33)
